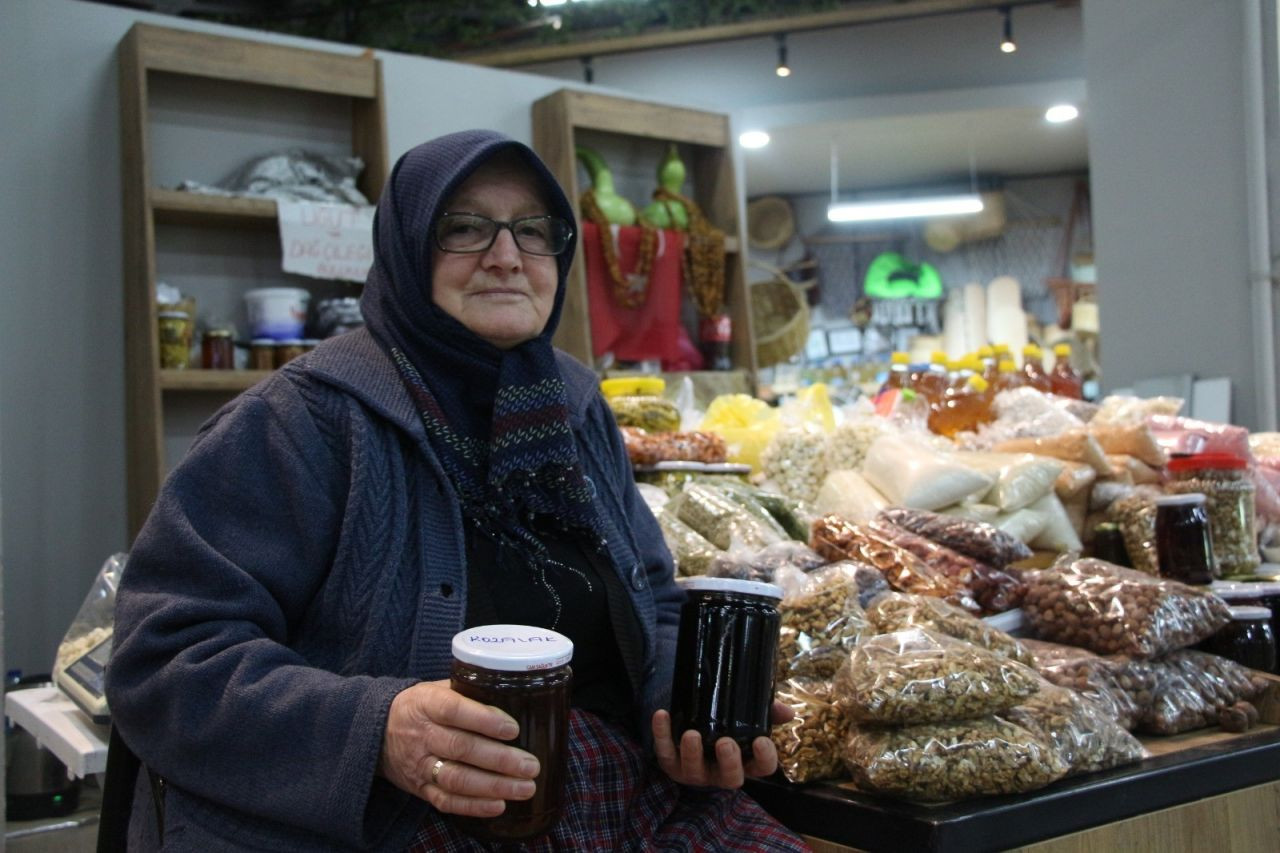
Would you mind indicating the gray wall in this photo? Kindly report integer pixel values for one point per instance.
(1167, 151)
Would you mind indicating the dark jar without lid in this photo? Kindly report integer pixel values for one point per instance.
(725, 651)
(524, 671)
(1247, 639)
(1184, 546)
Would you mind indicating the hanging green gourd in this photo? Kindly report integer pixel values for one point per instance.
(667, 211)
(616, 209)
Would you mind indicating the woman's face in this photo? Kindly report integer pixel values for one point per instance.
(501, 294)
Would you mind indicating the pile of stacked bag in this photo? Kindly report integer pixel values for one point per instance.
(896, 547)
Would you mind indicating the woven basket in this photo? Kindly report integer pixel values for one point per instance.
(780, 316)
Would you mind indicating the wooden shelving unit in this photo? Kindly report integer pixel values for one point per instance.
(560, 117)
(349, 86)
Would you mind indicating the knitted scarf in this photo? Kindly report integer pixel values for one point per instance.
(497, 419)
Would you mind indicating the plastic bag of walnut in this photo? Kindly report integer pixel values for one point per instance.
(976, 539)
(821, 621)
(838, 539)
(921, 676)
(1082, 732)
(809, 745)
(896, 611)
(1111, 610)
(1120, 686)
(952, 760)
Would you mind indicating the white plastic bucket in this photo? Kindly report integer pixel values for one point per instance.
(276, 312)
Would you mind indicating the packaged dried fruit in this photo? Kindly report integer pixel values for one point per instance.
(981, 541)
(995, 590)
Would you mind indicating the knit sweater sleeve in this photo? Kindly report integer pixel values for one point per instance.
(203, 683)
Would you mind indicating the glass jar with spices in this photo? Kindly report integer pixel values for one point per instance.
(1184, 548)
(1230, 495)
(725, 651)
(1247, 639)
(175, 339)
(262, 354)
(288, 350)
(525, 672)
(217, 350)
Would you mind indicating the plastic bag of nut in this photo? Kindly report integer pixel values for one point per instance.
(761, 565)
(897, 611)
(692, 553)
(644, 448)
(921, 676)
(821, 619)
(1176, 707)
(980, 541)
(837, 539)
(794, 462)
(1111, 610)
(995, 590)
(723, 521)
(809, 745)
(1194, 688)
(792, 515)
(1120, 686)
(952, 760)
(1082, 732)
(1135, 515)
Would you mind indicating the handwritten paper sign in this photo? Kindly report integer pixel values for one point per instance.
(331, 241)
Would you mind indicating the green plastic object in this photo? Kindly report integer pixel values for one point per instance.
(668, 213)
(616, 209)
(891, 276)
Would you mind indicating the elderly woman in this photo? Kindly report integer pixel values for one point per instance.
(283, 627)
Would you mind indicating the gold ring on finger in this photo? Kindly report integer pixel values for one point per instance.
(435, 771)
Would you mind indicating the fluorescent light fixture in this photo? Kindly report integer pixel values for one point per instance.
(1059, 113)
(905, 208)
(753, 139)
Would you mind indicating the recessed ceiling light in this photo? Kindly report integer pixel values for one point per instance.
(753, 139)
(1059, 113)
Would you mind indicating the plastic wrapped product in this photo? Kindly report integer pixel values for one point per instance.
(973, 510)
(1075, 478)
(810, 744)
(1230, 499)
(1025, 405)
(1023, 525)
(1021, 478)
(1072, 446)
(645, 448)
(790, 515)
(1106, 492)
(1138, 471)
(1176, 707)
(895, 611)
(794, 462)
(1059, 533)
(1111, 610)
(974, 538)
(921, 676)
(952, 760)
(821, 619)
(848, 495)
(1135, 439)
(995, 590)
(640, 449)
(692, 553)
(653, 414)
(912, 474)
(837, 539)
(1086, 738)
(1120, 686)
(1217, 438)
(1221, 681)
(724, 522)
(1135, 515)
(654, 498)
(1120, 410)
(848, 444)
(763, 564)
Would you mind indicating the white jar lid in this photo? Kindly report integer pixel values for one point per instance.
(741, 587)
(1249, 613)
(1178, 500)
(1236, 590)
(512, 648)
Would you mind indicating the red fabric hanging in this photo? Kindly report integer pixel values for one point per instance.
(635, 334)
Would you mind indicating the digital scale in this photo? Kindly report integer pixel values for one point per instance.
(82, 681)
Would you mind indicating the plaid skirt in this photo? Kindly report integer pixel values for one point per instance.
(617, 798)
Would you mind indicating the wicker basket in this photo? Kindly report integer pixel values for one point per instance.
(780, 316)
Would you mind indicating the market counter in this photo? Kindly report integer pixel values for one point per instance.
(1198, 791)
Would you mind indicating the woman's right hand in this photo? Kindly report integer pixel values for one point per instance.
(430, 723)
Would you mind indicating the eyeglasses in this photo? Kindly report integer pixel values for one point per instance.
(470, 232)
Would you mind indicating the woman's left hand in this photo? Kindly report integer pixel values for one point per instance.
(688, 766)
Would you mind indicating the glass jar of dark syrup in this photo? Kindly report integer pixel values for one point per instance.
(524, 671)
(723, 682)
(1184, 547)
(1247, 639)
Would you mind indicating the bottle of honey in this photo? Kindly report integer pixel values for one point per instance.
(1007, 376)
(1064, 379)
(933, 382)
(990, 365)
(963, 408)
(899, 373)
(1033, 369)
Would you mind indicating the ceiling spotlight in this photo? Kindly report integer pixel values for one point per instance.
(753, 139)
(1007, 44)
(1059, 113)
(783, 69)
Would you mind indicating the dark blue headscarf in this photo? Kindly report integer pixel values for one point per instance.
(498, 419)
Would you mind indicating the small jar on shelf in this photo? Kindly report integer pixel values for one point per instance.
(1230, 493)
